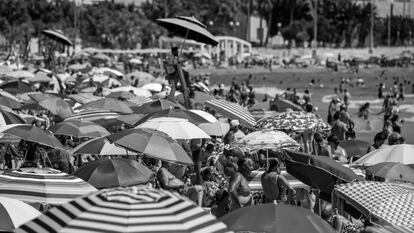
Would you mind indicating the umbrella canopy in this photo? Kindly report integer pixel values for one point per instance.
(135, 61)
(397, 153)
(205, 115)
(84, 98)
(318, 171)
(130, 119)
(92, 115)
(33, 185)
(79, 129)
(272, 218)
(281, 105)
(16, 87)
(121, 95)
(100, 146)
(394, 171)
(32, 134)
(107, 71)
(57, 35)
(21, 74)
(142, 77)
(101, 56)
(11, 103)
(135, 90)
(116, 172)
(156, 105)
(14, 213)
(7, 117)
(122, 210)
(355, 148)
(267, 139)
(177, 128)
(189, 28)
(386, 202)
(293, 121)
(218, 129)
(8, 95)
(232, 111)
(76, 67)
(107, 104)
(154, 87)
(57, 106)
(175, 113)
(152, 143)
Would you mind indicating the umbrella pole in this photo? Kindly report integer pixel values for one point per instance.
(182, 78)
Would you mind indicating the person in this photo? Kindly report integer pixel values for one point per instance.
(338, 153)
(320, 147)
(339, 128)
(275, 185)
(239, 189)
(347, 97)
(234, 133)
(364, 111)
(396, 123)
(205, 154)
(168, 181)
(401, 92)
(210, 187)
(379, 140)
(333, 108)
(393, 139)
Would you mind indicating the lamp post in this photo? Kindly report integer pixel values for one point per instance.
(315, 29)
(234, 25)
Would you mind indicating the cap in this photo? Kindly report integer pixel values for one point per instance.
(234, 123)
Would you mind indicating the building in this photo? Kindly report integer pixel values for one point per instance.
(400, 7)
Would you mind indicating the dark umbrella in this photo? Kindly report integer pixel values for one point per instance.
(11, 103)
(121, 95)
(318, 171)
(16, 87)
(272, 218)
(156, 105)
(176, 113)
(189, 28)
(199, 97)
(32, 134)
(107, 104)
(355, 148)
(116, 172)
(57, 35)
(8, 116)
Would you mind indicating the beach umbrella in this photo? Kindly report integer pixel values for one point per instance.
(8, 95)
(114, 172)
(189, 28)
(293, 121)
(78, 67)
(402, 153)
(140, 100)
(92, 115)
(267, 139)
(57, 35)
(393, 171)
(40, 77)
(16, 87)
(21, 74)
(107, 71)
(8, 116)
(205, 115)
(47, 186)
(107, 104)
(101, 56)
(100, 146)
(218, 129)
(105, 91)
(176, 113)
(137, 91)
(32, 134)
(123, 210)
(318, 172)
(255, 181)
(154, 87)
(79, 129)
(281, 105)
(177, 128)
(157, 105)
(135, 61)
(14, 213)
(232, 111)
(355, 148)
(110, 124)
(152, 143)
(121, 95)
(84, 98)
(273, 218)
(57, 106)
(381, 202)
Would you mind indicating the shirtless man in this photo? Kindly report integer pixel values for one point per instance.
(239, 189)
(169, 182)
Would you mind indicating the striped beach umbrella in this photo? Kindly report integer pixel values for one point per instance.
(101, 146)
(91, 115)
(48, 186)
(133, 209)
(79, 129)
(107, 104)
(232, 111)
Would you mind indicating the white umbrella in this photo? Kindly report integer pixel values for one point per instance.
(14, 213)
(137, 91)
(216, 128)
(155, 87)
(205, 115)
(176, 128)
(135, 61)
(107, 71)
(397, 153)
